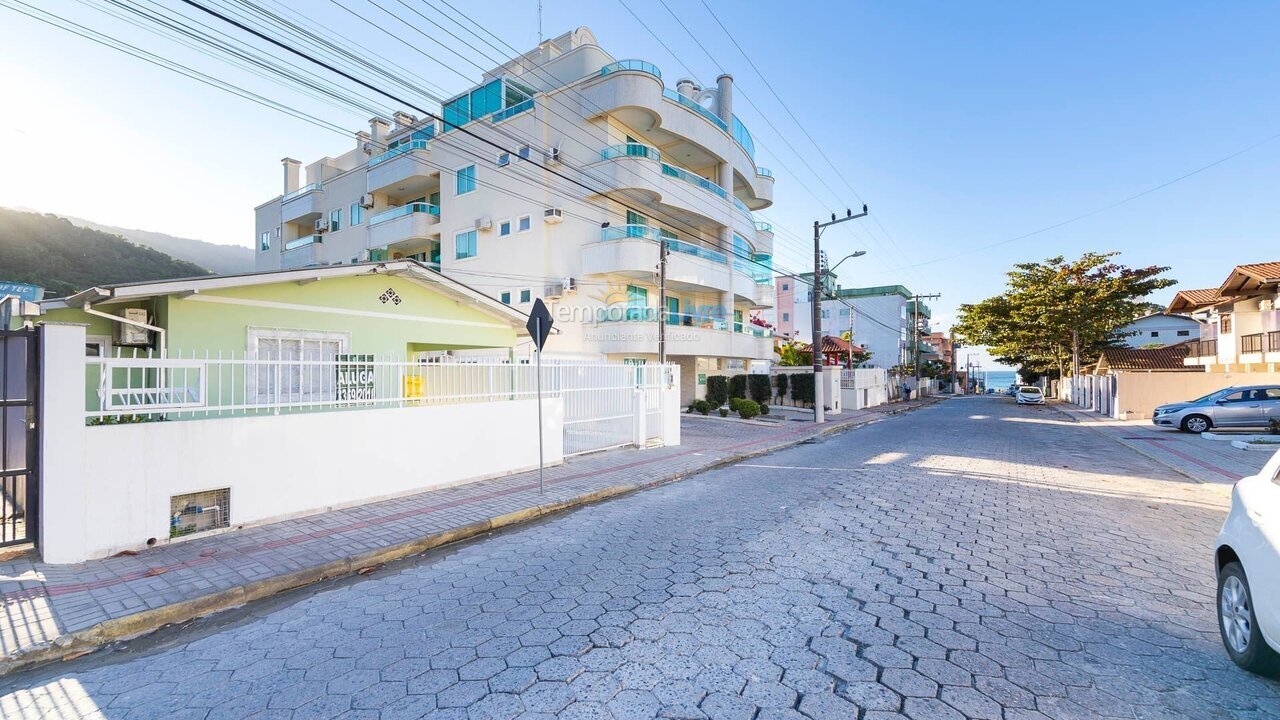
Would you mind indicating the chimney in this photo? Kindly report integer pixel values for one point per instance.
(292, 173)
(724, 98)
(378, 130)
(362, 143)
(403, 120)
(685, 87)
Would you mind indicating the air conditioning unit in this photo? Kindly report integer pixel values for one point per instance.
(132, 334)
(553, 216)
(366, 200)
(553, 155)
(322, 225)
(570, 285)
(484, 223)
(554, 290)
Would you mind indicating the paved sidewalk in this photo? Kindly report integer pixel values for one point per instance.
(1209, 461)
(53, 611)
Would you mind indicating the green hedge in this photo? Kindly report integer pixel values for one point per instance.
(758, 387)
(738, 386)
(802, 388)
(782, 385)
(717, 390)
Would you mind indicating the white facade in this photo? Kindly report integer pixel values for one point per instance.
(659, 166)
(881, 320)
(1160, 328)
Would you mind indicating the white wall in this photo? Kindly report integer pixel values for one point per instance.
(864, 388)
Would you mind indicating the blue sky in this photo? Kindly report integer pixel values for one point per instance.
(962, 124)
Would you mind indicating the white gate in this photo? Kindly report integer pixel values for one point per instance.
(600, 404)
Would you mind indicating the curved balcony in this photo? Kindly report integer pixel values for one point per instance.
(644, 179)
(632, 251)
(632, 66)
(305, 203)
(403, 166)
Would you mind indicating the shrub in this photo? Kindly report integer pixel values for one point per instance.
(748, 409)
(758, 388)
(717, 390)
(764, 409)
(738, 386)
(724, 412)
(702, 406)
(693, 405)
(733, 403)
(782, 386)
(802, 389)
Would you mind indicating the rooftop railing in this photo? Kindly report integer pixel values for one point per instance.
(696, 107)
(399, 150)
(631, 65)
(512, 111)
(300, 191)
(764, 226)
(631, 150)
(764, 172)
(409, 209)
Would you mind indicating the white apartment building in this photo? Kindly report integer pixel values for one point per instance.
(880, 317)
(560, 176)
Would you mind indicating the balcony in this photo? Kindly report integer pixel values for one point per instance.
(404, 168)
(1201, 352)
(685, 335)
(632, 251)
(1251, 348)
(636, 173)
(415, 221)
(764, 172)
(305, 203)
(631, 66)
(696, 107)
(700, 182)
(300, 252)
(514, 110)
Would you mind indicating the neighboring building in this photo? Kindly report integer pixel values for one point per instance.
(880, 317)
(1241, 331)
(943, 347)
(679, 159)
(1160, 329)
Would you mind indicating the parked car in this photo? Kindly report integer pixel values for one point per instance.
(1247, 560)
(1244, 406)
(1029, 395)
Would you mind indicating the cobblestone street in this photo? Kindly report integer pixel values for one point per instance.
(971, 559)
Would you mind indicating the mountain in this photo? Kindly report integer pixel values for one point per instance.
(221, 259)
(50, 251)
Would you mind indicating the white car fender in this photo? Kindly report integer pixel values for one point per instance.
(1252, 531)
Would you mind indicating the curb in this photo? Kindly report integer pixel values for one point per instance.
(1136, 448)
(81, 642)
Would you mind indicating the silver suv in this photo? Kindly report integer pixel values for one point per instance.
(1246, 406)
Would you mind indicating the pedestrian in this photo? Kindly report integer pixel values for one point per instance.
(906, 392)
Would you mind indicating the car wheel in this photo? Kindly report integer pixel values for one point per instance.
(1196, 424)
(1238, 626)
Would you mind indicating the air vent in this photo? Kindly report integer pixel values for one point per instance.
(199, 512)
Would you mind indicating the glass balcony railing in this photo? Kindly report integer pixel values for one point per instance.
(689, 320)
(633, 65)
(692, 179)
(302, 242)
(512, 111)
(696, 107)
(631, 150)
(398, 150)
(764, 172)
(648, 232)
(764, 226)
(742, 208)
(743, 136)
(411, 208)
(300, 191)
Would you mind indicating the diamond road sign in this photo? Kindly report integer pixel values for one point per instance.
(539, 325)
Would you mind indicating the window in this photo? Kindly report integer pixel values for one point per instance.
(524, 223)
(357, 213)
(464, 245)
(673, 311)
(826, 313)
(786, 286)
(786, 317)
(524, 152)
(637, 301)
(504, 159)
(97, 346)
(1155, 333)
(335, 220)
(506, 298)
(264, 241)
(504, 228)
(636, 224)
(844, 312)
(466, 180)
(1224, 324)
(1184, 333)
(525, 296)
(294, 383)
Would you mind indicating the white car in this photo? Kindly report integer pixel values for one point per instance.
(1029, 395)
(1247, 560)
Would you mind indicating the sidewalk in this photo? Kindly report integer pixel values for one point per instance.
(1208, 461)
(53, 611)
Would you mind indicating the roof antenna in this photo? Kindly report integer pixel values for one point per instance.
(539, 22)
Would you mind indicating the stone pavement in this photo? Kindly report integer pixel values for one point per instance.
(49, 611)
(1211, 461)
(938, 565)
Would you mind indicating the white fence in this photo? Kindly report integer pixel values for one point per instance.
(863, 388)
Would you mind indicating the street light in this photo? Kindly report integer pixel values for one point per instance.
(832, 270)
(859, 253)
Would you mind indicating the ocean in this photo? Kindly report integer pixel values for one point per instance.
(999, 379)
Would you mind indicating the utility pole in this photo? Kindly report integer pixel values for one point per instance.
(662, 301)
(953, 360)
(818, 293)
(915, 334)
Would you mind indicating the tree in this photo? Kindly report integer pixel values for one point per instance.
(1059, 311)
(790, 355)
